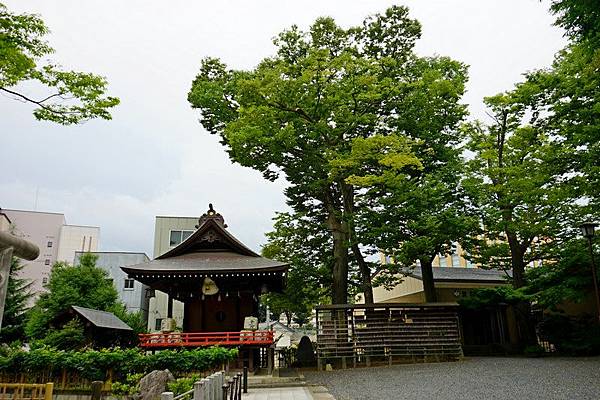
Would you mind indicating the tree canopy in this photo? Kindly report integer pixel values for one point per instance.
(329, 93)
(71, 97)
(83, 285)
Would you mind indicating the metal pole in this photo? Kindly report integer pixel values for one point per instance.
(245, 380)
(225, 387)
(597, 292)
(239, 386)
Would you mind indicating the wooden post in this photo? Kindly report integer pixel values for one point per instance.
(97, 387)
(270, 355)
(48, 391)
(97, 390)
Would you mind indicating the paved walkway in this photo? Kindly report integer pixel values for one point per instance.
(289, 393)
(292, 393)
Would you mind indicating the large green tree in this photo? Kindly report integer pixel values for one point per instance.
(414, 214)
(517, 180)
(300, 112)
(83, 285)
(70, 97)
(18, 295)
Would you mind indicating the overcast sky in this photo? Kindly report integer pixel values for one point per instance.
(154, 158)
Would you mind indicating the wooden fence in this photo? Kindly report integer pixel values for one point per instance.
(26, 391)
(62, 379)
(387, 333)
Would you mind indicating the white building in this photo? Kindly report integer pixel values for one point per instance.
(57, 241)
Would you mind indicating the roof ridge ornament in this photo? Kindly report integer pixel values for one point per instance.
(211, 214)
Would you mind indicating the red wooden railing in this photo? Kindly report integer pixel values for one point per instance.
(198, 339)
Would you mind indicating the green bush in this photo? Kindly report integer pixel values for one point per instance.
(94, 364)
(571, 336)
(129, 387)
(182, 385)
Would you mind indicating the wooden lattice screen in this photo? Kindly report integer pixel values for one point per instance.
(387, 333)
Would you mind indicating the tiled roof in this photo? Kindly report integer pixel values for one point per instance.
(460, 274)
(101, 319)
(217, 261)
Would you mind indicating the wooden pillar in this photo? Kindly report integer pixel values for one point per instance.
(170, 307)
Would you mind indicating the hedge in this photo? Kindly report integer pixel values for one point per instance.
(95, 364)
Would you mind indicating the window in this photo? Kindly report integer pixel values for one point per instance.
(177, 237)
(443, 261)
(49, 244)
(128, 283)
(44, 280)
(455, 260)
(47, 261)
(157, 324)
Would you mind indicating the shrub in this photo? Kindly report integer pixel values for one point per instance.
(94, 364)
(571, 336)
(182, 385)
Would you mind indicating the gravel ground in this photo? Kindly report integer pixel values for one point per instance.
(474, 378)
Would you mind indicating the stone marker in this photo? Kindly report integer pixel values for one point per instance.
(305, 355)
(153, 384)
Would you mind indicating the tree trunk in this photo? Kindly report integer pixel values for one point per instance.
(340, 259)
(517, 261)
(523, 308)
(363, 266)
(365, 274)
(428, 283)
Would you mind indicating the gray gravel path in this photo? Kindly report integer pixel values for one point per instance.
(474, 378)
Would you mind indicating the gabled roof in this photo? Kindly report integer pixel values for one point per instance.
(459, 274)
(210, 249)
(101, 319)
(210, 234)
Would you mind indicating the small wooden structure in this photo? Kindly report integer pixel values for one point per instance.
(387, 333)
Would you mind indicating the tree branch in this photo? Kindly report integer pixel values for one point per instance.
(38, 102)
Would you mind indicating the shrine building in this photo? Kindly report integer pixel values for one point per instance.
(219, 281)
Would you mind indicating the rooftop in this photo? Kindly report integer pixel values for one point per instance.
(101, 319)
(458, 274)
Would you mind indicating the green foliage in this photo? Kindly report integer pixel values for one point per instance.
(568, 278)
(571, 336)
(73, 97)
(94, 364)
(83, 285)
(182, 385)
(518, 182)
(580, 18)
(329, 100)
(18, 294)
(129, 386)
(294, 241)
(69, 337)
(489, 297)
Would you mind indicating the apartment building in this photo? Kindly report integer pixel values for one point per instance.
(57, 241)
